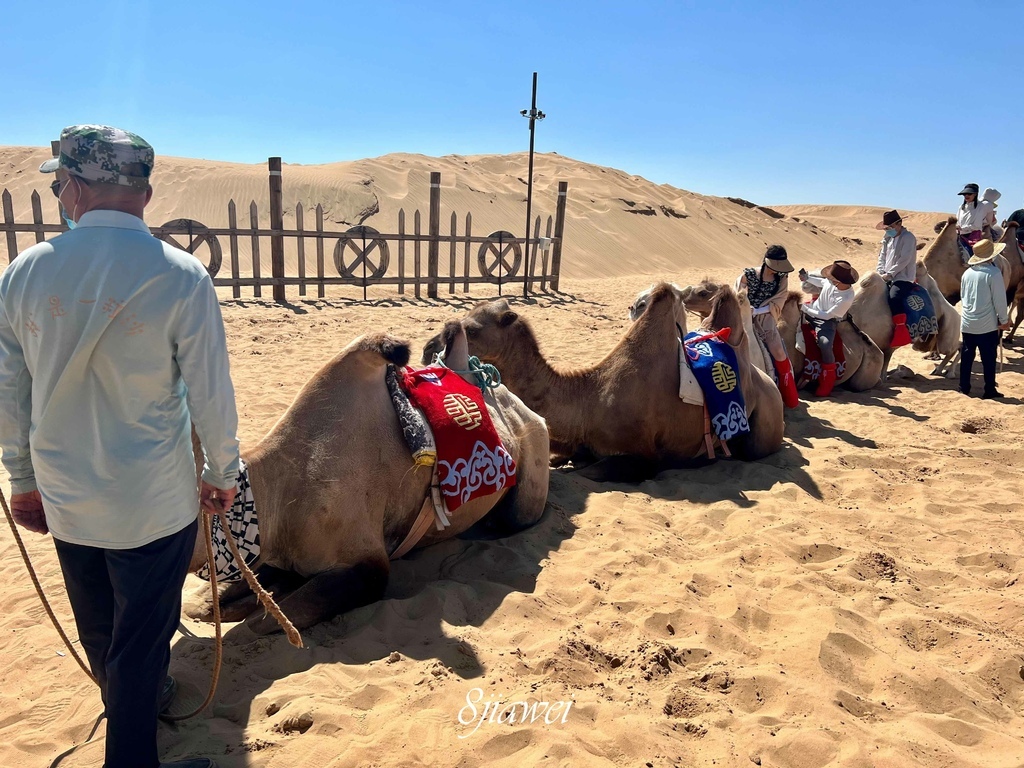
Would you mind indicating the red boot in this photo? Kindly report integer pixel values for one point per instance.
(787, 384)
(827, 380)
(900, 334)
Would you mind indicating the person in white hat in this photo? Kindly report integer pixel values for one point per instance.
(983, 314)
(767, 289)
(990, 197)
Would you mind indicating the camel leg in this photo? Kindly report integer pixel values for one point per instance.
(326, 595)
(886, 357)
(237, 600)
(1016, 323)
(950, 366)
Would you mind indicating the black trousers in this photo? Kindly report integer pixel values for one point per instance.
(987, 344)
(898, 292)
(127, 604)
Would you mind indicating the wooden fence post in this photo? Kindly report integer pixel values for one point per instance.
(556, 252)
(12, 236)
(435, 232)
(276, 223)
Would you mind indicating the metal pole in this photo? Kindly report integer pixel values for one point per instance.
(529, 190)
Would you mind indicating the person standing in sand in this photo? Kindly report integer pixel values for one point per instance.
(983, 315)
(897, 264)
(111, 342)
(767, 289)
(824, 313)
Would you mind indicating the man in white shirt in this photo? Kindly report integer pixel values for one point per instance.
(824, 313)
(111, 343)
(897, 264)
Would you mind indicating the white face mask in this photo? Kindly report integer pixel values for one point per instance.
(71, 220)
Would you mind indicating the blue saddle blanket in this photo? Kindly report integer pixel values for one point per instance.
(713, 363)
(922, 321)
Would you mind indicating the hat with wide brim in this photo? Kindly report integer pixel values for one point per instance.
(985, 251)
(888, 219)
(842, 271)
(780, 265)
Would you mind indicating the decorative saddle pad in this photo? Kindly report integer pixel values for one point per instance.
(713, 363)
(922, 321)
(471, 460)
(244, 528)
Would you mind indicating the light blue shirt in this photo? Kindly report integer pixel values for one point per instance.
(982, 299)
(110, 342)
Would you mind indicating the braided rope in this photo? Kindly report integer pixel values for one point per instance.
(264, 597)
(486, 374)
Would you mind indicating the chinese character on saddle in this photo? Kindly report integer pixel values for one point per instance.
(713, 363)
(471, 460)
(921, 321)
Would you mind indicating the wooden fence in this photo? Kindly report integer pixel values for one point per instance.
(412, 257)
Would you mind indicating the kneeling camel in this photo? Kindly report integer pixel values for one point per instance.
(627, 404)
(336, 489)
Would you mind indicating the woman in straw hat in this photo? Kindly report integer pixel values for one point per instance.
(983, 315)
(824, 313)
(767, 289)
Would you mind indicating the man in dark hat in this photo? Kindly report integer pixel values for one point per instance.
(111, 343)
(767, 289)
(824, 313)
(897, 264)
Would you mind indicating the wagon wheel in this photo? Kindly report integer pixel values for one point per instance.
(195, 234)
(363, 241)
(500, 255)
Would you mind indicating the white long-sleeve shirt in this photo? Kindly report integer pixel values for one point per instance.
(110, 342)
(897, 257)
(831, 302)
(973, 218)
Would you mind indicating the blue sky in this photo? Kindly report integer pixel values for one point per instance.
(876, 103)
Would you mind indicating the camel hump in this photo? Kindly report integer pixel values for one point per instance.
(391, 349)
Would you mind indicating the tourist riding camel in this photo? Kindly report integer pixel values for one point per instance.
(337, 492)
(897, 264)
(824, 313)
(862, 367)
(944, 261)
(766, 290)
(973, 218)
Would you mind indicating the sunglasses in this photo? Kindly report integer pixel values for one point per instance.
(55, 188)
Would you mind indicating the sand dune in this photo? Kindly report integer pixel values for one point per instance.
(854, 600)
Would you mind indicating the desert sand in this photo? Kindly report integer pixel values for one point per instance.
(854, 600)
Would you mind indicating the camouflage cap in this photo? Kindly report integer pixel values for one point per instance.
(104, 154)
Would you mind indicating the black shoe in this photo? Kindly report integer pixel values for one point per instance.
(192, 762)
(963, 391)
(992, 395)
(167, 698)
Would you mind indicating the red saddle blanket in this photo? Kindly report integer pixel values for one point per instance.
(471, 461)
(812, 357)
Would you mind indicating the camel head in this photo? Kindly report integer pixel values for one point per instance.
(697, 298)
(726, 310)
(456, 347)
(640, 304)
(485, 328)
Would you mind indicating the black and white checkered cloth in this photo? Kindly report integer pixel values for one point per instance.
(244, 528)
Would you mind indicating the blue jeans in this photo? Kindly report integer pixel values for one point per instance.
(127, 604)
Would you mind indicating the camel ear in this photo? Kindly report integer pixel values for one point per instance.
(507, 318)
